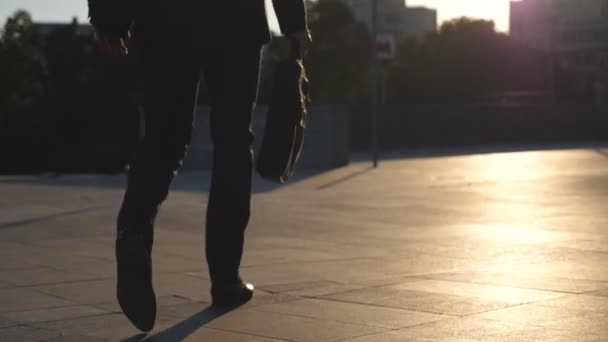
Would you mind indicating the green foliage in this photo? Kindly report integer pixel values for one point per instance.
(340, 58)
(465, 61)
(89, 110)
(19, 65)
(64, 106)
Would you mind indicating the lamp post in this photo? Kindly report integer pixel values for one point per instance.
(375, 84)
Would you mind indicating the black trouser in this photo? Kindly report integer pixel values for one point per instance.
(171, 79)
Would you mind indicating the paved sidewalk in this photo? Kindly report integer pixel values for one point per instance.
(489, 247)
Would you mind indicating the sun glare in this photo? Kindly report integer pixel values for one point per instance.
(496, 10)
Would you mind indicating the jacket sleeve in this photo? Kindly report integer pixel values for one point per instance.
(291, 15)
(112, 17)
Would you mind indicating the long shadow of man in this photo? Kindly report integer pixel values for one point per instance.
(182, 330)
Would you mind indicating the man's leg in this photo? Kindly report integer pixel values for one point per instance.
(170, 88)
(232, 77)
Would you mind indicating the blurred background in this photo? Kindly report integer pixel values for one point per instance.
(439, 74)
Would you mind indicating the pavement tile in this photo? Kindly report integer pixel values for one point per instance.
(279, 274)
(174, 307)
(54, 314)
(103, 291)
(280, 254)
(28, 256)
(182, 285)
(12, 258)
(94, 247)
(23, 333)
(111, 326)
(264, 298)
(41, 276)
(325, 290)
(503, 294)
(5, 323)
(177, 264)
(288, 327)
(586, 302)
(343, 271)
(180, 311)
(579, 270)
(206, 334)
(439, 303)
(24, 299)
(93, 269)
(601, 293)
(16, 262)
(352, 313)
(75, 338)
(583, 321)
(312, 289)
(195, 327)
(112, 306)
(514, 279)
(84, 292)
(469, 330)
(291, 287)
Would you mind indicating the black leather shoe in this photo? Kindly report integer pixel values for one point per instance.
(231, 294)
(134, 289)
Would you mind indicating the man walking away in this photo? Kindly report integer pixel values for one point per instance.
(176, 39)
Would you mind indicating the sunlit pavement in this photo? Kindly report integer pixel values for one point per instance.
(488, 247)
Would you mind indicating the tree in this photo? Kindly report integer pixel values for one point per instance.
(340, 58)
(89, 107)
(465, 61)
(19, 65)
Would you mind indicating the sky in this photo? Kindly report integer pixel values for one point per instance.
(64, 10)
(497, 10)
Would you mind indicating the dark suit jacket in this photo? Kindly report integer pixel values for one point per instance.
(225, 19)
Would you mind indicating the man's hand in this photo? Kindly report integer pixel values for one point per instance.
(304, 41)
(111, 45)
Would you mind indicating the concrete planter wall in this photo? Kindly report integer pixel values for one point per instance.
(424, 126)
(326, 145)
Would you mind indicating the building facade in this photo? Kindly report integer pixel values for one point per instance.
(395, 17)
(532, 21)
(574, 33)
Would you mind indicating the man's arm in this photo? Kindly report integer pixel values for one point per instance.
(112, 20)
(291, 15)
(112, 17)
(293, 22)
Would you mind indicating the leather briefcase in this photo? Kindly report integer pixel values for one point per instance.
(285, 120)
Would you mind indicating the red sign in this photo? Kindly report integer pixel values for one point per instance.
(385, 46)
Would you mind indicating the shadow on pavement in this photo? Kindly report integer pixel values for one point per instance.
(187, 327)
(345, 178)
(135, 338)
(187, 181)
(199, 181)
(602, 152)
(25, 222)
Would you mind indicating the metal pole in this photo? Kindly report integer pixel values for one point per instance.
(375, 84)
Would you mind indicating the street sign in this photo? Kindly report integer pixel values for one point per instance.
(385, 46)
